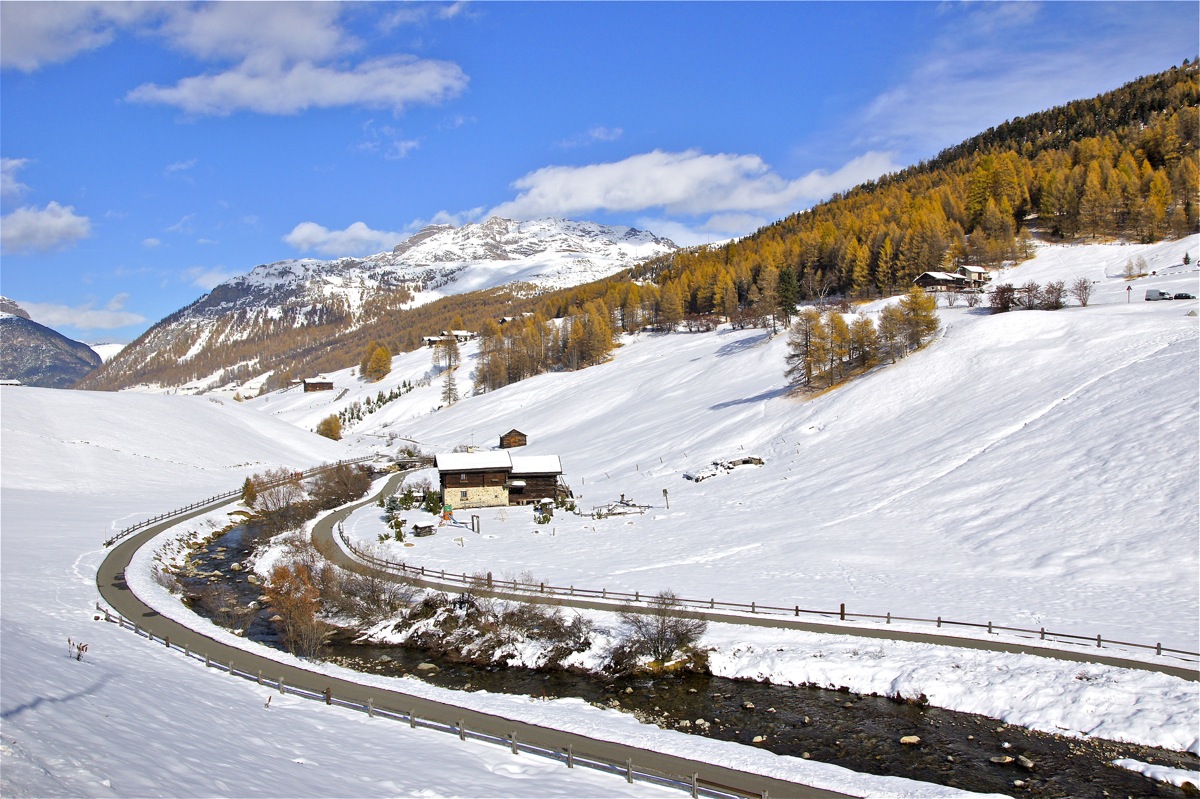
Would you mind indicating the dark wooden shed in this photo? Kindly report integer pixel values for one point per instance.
(513, 438)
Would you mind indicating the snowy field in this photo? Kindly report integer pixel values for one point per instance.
(1035, 468)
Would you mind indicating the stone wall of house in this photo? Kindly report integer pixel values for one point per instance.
(479, 497)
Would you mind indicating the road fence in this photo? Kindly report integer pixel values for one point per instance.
(566, 755)
(637, 600)
(227, 495)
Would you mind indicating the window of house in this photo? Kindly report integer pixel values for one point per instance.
(462, 496)
(462, 478)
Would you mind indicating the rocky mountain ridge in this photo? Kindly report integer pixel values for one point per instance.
(36, 355)
(301, 304)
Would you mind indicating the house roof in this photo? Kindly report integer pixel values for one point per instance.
(975, 269)
(513, 432)
(941, 276)
(473, 461)
(536, 464)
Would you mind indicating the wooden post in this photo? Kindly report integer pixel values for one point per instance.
(370, 708)
(842, 612)
(167, 641)
(462, 730)
(939, 623)
(989, 628)
(282, 687)
(412, 719)
(1099, 644)
(231, 672)
(260, 676)
(1158, 648)
(629, 770)
(206, 662)
(570, 756)
(753, 607)
(797, 611)
(328, 695)
(695, 785)
(514, 742)
(1043, 633)
(889, 617)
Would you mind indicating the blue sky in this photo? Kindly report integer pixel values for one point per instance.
(152, 150)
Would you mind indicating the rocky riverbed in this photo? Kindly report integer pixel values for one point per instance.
(864, 733)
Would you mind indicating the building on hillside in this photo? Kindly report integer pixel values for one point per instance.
(533, 478)
(940, 281)
(513, 438)
(975, 276)
(317, 384)
(487, 479)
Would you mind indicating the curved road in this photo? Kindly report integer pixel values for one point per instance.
(110, 579)
(325, 541)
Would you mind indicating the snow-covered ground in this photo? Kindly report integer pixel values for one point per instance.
(1031, 469)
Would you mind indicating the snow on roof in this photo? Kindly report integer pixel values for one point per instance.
(536, 464)
(467, 461)
(941, 276)
(976, 269)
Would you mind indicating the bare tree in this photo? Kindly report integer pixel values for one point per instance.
(278, 491)
(1054, 295)
(1081, 290)
(658, 630)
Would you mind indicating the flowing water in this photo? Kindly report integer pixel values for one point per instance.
(862, 733)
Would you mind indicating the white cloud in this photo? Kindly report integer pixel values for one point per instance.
(180, 166)
(39, 33)
(357, 239)
(51, 228)
(393, 82)
(262, 32)
(84, 317)
(151, 243)
(685, 183)
(10, 187)
(209, 277)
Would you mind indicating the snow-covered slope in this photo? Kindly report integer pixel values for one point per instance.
(130, 719)
(1031, 469)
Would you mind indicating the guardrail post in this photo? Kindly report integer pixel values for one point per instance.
(412, 719)
(1158, 648)
(842, 611)
(260, 676)
(328, 695)
(889, 617)
(797, 611)
(1099, 644)
(462, 730)
(167, 641)
(629, 770)
(637, 596)
(695, 785)
(514, 742)
(753, 607)
(989, 628)
(570, 756)
(1043, 633)
(206, 661)
(231, 674)
(370, 708)
(282, 687)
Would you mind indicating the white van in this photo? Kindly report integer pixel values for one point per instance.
(1155, 294)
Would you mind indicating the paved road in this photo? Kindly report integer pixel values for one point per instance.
(324, 539)
(110, 579)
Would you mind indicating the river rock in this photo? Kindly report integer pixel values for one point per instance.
(433, 667)
(758, 739)
(1001, 760)
(235, 567)
(275, 619)
(1025, 762)
(910, 740)
(747, 706)
(252, 579)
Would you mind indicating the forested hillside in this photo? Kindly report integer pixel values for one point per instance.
(1123, 164)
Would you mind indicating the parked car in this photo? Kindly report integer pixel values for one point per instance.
(1155, 294)
(1183, 295)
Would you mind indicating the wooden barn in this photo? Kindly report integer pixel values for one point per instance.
(488, 479)
(513, 438)
(318, 384)
(533, 478)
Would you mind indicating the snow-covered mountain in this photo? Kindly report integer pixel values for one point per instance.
(332, 298)
(37, 355)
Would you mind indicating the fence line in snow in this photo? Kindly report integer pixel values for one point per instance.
(636, 599)
(227, 495)
(567, 756)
